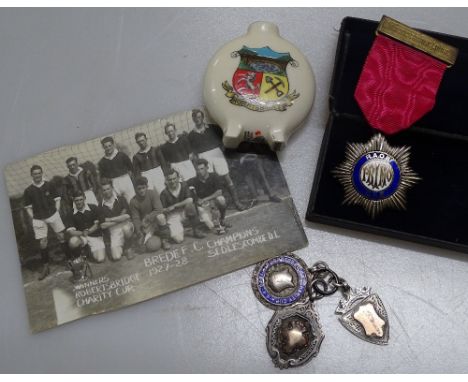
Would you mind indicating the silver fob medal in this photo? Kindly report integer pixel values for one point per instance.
(294, 333)
(280, 281)
(364, 315)
(361, 312)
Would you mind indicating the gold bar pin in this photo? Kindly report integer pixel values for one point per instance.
(427, 44)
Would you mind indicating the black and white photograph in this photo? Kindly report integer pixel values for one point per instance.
(130, 216)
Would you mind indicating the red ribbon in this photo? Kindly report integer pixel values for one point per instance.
(398, 85)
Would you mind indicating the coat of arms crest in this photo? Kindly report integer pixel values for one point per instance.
(260, 82)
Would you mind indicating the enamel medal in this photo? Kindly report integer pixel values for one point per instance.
(376, 175)
(280, 281)
(259, 87)
(294, 333)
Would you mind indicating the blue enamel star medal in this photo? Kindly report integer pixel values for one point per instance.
(376, 175)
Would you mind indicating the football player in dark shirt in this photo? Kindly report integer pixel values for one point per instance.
(209, 197)
(79, 179)
(42, 203)
(115, 218)
(147, 214)
(179, 207)
(117, 166)
(149, 163)
(178, 153)
(84, 228)
(205, 141)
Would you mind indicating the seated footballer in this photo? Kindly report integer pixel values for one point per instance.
(179, 207)
(209, 197)
(115, 218)
(84, 227)
(148, 216)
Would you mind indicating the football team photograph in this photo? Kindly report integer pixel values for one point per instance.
(100, 208)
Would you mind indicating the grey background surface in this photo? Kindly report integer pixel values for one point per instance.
(71, 75)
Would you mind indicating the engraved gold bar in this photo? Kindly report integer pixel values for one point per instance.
(427, 44)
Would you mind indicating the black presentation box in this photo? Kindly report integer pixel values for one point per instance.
(437, 206)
